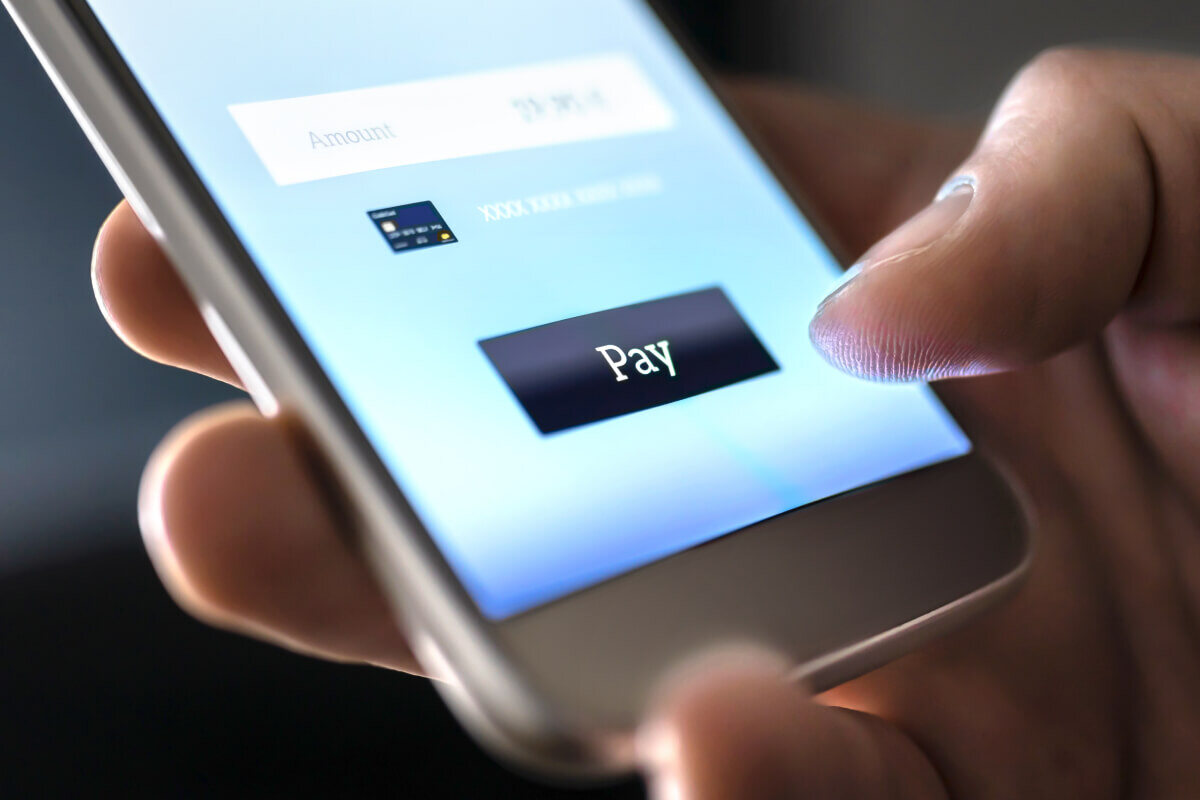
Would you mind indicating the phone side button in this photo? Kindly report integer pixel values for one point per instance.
(246, 371)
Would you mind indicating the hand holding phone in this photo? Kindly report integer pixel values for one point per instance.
(532, 301)
(986, 703)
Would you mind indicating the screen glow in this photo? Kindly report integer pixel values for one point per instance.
(565, 159)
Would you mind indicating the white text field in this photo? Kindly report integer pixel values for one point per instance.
(324, 136)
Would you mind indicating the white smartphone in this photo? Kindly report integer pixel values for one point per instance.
(543, 308)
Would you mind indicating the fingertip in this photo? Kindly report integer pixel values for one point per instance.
(893, 317)
(145, 302)
(739, 728)
(865, 333)
(124, 257)
(244, 535)
(228, 505)
(166, 475)
(709, 715)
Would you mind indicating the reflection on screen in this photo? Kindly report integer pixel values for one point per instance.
(559, 292)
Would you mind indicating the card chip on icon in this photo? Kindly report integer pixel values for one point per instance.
(412, 226)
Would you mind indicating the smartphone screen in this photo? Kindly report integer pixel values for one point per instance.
(558, 290)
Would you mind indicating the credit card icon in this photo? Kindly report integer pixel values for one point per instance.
(412, 227)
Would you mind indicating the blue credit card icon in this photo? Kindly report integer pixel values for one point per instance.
(412, 227)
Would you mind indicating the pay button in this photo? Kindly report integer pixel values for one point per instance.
(590, 368)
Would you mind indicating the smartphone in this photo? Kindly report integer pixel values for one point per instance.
(542, 308)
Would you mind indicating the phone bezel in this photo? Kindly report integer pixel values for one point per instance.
(513, 670)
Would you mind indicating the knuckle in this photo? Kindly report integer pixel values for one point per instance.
(1059, 93)
(1065, 66)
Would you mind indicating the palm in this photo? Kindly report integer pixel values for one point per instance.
(1084, 685)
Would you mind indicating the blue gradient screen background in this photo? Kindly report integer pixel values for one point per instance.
(524, 518)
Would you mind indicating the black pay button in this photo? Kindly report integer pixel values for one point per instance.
(603, 365)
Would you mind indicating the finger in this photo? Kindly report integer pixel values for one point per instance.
(863, 171)
(742, 732)
(146, 303)
(1077, 202)
(1158, 369)
(235, 523)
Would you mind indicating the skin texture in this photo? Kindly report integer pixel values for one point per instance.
(1064, 279)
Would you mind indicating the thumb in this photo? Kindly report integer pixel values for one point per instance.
(738, 731)
(1075, 204)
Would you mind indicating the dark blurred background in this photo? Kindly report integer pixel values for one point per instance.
(106, 688)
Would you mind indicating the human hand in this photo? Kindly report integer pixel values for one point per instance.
(1065, 270)
(1070, 273)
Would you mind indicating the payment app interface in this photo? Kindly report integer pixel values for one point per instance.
(559, 292)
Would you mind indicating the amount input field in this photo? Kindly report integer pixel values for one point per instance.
(305, 139)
